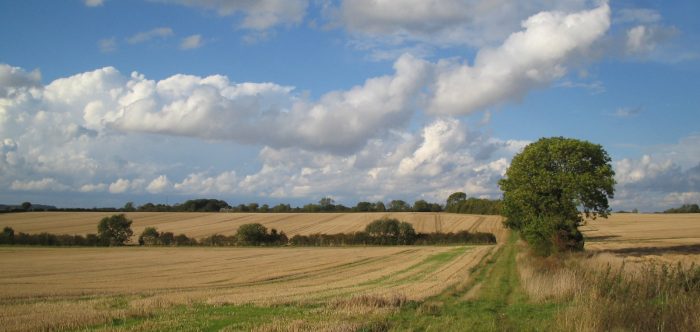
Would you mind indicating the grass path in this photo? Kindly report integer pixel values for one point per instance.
(492, 301)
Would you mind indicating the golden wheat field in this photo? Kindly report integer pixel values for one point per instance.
(68, 288)
(204, 224)
(641, 237)
(72, 287)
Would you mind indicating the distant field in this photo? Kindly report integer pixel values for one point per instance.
(204, 224)
(667, 237)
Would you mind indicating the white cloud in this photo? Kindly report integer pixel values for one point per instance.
(94, 3)
(45, 184)
(200, 183)
(192, 42)
(643, 39)
(438, 160)
(89, 188)
(257, 15)
(668, 177)
(107, 45)
(445, 22)
(158, 185)
(438, 140)
(144, 36)
(15, 82)
(259, 113)
(527, 59)
(123, 185)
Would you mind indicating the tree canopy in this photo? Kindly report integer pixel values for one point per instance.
(115, 230)
(547, 187)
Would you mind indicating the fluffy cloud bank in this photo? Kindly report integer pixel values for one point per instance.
(106, 132)
(668, 176)
(268, 114)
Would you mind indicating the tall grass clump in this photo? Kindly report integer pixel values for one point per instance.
(651, 298)
(614, 297)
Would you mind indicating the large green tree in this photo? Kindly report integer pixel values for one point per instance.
(115, 230)
(549, 185)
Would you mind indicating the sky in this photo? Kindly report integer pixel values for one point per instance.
(286, 101)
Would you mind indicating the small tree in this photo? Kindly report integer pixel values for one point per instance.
(115, 230)
(391, 231)
(454, 201)
(549, 184)
(149, 236)
(7, 236)
(129, 207)
(421, 206)
(167, 238)
(26, 206)
(398, 205)
(251, 234)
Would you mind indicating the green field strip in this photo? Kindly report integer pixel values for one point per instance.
(500, 303)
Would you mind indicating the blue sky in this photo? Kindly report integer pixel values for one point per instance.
(104, 102)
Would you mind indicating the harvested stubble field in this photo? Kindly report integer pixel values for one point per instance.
(636, 237)
(199, 225)
(74, 288)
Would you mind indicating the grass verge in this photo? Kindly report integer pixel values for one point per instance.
(500, 304)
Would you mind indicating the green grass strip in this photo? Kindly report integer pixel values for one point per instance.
(499, 305)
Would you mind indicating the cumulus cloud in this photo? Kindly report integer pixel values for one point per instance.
(192, 42)
(257, 15)
(436, 161)
(158, 185)
(15, 81)
(123, 185)
(90, 187)
(144, 36)
(201, 183)
(668, 176)
(527, 59)
(258, 113)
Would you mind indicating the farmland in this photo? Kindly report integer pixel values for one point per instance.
(643, 237)
(65, 288)
(204, 224)
(345, 288)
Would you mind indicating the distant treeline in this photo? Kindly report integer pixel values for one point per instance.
(685, 208)
(116, 230)
(459, 203)
(456, 203)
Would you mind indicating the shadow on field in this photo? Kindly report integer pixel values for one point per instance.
(600, 238)
(689, 249)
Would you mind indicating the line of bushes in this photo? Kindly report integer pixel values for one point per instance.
(362, 238)
(116, 230)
